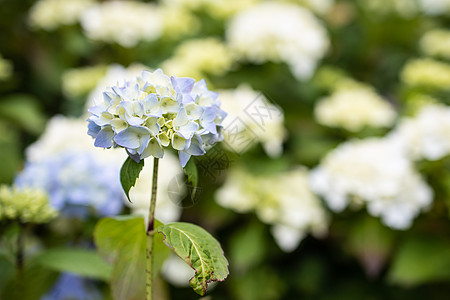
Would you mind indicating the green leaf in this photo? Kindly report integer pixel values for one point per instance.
(24, 111)
(198, 249)
(191, 172)
(121, 241)
(421, 260)
(129, 173)
(78, 261)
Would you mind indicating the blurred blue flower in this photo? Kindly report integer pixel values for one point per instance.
(77, 183)
(72, 287)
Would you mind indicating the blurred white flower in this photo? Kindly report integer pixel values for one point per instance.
(435, 7)
(216, 8)
(436, 42)
(124, 22)
(278, 32)
(261, 121)
(81, 81)
(283, 200)
(167, 196)
(354, 108)
(427, 72)
(199, 57)
(427, 135)
(375, 172)
(403, 8)
(176, 271)
(50, 14)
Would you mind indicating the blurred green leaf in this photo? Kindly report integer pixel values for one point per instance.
(24, 112)
(248, 246)
(129, 173)
(421, 260)
(121, 241)
(83, 262)
(200, 250)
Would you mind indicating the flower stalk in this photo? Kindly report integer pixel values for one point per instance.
(150, 232)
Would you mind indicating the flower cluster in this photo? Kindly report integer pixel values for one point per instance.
(26, 205)
(123, 22)
(354, 108)
(50, 14)
(427, 135)
(278, 32)
(436, 42)
(427, 73)
(283, 200)
(77, 177)
(156, 111)
(270, 132)
(198, 57)
(376, 172)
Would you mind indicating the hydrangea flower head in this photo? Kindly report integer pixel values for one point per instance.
(155, 111)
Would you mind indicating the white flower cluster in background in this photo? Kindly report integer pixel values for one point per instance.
(355, 108)
(278, 32)
(283, 200)
(198, 58)
(178, 21)
(435, 7)
(81, 81)
(50, 14)
(404, 8)
(436, 42)
(155, 111)
(427, 135)
(124, 22)
(269, 131)
(318, 6)
(217, 8)
(427, 72)
(375, 172)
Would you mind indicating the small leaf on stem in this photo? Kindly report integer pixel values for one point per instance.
(129, 173)
(198, 249)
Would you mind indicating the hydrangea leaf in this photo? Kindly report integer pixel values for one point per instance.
(129, 173)
(200, 250)
(121, 241)
(191, 172)
(82, 262)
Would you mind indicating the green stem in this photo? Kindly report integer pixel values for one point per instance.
(150, 231)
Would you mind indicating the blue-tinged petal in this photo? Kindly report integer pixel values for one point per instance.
(96, 110)
(194, 111)
(196, 146)
(187, 130)
(178, 142)
(131, 137)
(168, 105)
(181, 119)
(184, 158)
(133, 121)
(153, 149)
(104, 138)
(182, 85)
(118, 125)
(134, 156)
(93, 129)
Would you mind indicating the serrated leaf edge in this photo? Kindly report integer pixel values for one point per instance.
(214, 278)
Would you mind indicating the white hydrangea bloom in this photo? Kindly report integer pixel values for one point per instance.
(427, 72)
(403, 8)
(427, 135)
(114, 74)
(282, 200)
(436, 42)
(124, 22)
(354, 108)
(167, 209)
(50, 14)
(278, 32)
(266, 128)
(197, 57)
(375, 172)
(435, 7)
